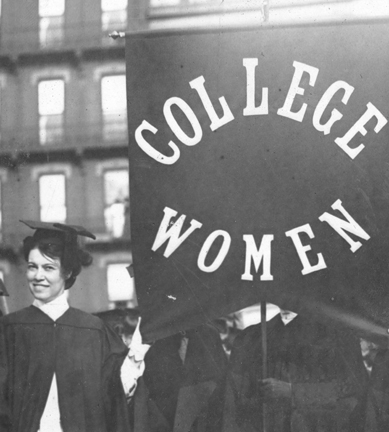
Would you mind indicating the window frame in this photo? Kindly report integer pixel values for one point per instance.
(187, 8)
(121, 128)
(65, 204)
(106, 206)
(61, 115)
(119, 25)
(45, 30)
(132, 301)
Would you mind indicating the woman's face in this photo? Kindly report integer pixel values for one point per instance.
(44, 276)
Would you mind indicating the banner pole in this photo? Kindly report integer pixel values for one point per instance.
(3, 301)
(264, 360)
(4, 305)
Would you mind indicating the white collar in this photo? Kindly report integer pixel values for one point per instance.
(55, 308)
(287, 317)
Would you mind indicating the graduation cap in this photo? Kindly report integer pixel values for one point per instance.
(42, 228)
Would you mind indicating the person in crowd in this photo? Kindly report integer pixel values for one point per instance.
(61, 369)
(178, 390)
(123, 321)
(313, 382)
(372, 412)
(227, 331)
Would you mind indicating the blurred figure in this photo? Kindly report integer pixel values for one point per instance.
(115, 218)
(228, 331)
(372, 412)
(123, 321)
(178, 390)
(312, 384)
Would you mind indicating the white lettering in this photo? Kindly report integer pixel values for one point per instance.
(325, 100)
(149, 150)
(175, 127)
(172, 234)
(250, 65)
(296, 90)
(252, 253)
(359, 126)
(216, 122)
(221, 255)
(340, 225)
(302, 250)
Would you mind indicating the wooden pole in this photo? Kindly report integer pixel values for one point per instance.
(264, 360)
(4, 305)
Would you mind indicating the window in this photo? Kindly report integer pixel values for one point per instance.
(52, 198)
(121, 287)
(51, 22)
(114, 107)
(116, 198)
(114, 15)
(51, 101)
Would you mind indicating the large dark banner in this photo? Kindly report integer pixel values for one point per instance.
(259, 171)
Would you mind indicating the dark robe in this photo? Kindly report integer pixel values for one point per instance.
(180, 395)
(372, 412)
(324, 366)
(86, 357)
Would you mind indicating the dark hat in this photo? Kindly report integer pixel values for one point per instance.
(42, 229)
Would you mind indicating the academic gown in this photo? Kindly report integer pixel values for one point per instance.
(325, 369)
(372, 412)
(180, 394)
(85, 356)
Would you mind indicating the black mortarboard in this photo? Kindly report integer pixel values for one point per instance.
(56, 226)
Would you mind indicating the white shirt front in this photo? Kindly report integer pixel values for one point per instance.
(51, 418)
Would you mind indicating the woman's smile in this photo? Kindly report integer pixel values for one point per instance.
(44, 275)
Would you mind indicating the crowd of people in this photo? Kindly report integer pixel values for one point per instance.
(63, 370)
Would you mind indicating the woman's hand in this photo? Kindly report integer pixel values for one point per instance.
(138, 350)
(133, 366)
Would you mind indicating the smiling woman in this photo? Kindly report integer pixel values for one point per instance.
(54, 256)
(61, 369)
(44, 277)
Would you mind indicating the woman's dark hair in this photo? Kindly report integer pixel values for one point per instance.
(59, 245)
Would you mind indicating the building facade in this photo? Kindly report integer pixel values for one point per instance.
(63, 124)
(63, 139)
